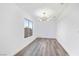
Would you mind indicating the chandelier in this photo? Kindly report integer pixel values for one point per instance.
(45, 14)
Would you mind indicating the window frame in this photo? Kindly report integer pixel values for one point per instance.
(30, 26)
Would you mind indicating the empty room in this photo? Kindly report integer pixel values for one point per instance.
(39, 29)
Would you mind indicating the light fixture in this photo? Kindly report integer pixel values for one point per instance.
(45, 14)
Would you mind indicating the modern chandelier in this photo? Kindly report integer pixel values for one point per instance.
(45, 14)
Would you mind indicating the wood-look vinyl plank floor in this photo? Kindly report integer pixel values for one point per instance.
(43, 47)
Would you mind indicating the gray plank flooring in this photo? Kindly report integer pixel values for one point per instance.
(43, 47)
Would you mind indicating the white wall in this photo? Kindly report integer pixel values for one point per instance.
(46, 29)
(68, 29)
(11, 29)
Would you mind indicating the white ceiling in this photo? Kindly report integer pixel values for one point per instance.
(31, 8)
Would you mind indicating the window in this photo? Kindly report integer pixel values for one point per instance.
(27, 23)
(27, 28)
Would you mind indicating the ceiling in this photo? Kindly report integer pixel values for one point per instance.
(31, 8)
